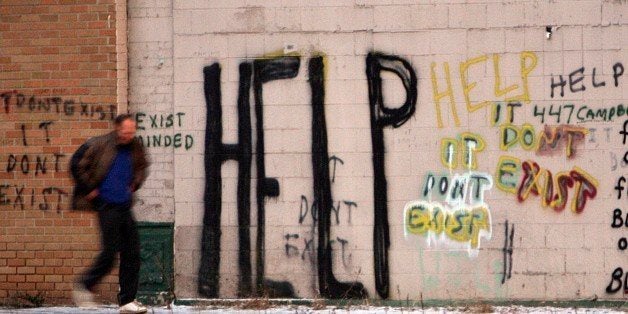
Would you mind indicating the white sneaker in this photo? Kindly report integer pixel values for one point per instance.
(83, 298)
(133, 307)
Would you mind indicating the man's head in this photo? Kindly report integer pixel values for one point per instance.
(125, 128)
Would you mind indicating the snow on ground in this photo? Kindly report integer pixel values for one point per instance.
(329, 309)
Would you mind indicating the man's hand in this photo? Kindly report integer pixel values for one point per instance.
(92, 195)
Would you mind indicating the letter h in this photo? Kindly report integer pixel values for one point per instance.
(216, 152)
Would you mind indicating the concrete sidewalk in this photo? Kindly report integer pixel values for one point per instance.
(329, 309)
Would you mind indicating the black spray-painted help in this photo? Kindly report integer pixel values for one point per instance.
(262, 71)
(381, 117)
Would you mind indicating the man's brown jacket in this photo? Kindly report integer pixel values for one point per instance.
(91, 162)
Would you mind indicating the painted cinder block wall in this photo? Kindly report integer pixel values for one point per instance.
(395, 149)
(62, 79)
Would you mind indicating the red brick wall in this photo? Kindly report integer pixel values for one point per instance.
(58, 82)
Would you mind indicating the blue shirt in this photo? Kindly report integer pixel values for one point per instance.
(116, 187)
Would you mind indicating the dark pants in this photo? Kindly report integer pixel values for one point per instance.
(119, 234)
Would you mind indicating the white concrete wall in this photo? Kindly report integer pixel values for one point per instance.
(557, 253)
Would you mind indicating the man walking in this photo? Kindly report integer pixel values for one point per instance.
(107, 170)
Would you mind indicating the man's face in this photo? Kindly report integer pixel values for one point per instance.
(126, 131)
